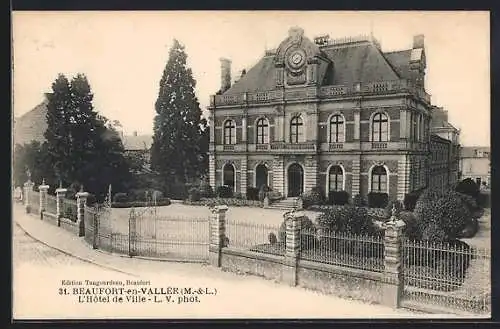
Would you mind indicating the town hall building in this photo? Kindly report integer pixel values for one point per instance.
(341, 115)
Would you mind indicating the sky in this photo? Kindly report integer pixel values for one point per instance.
(123, 54)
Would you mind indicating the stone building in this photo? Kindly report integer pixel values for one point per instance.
(337, 114)
(475, 163)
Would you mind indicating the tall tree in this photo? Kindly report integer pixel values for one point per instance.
(178, 126)
(56, 134)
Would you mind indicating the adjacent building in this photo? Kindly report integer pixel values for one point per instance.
(31, 126)
(475, 164)
(336, 114)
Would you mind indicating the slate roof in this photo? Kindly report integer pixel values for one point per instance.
(359, 62)
(137, 143)
(31, 126)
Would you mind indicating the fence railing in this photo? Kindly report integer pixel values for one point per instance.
(454, 276)
(51, 204)
(69, 210)
(34, 198)
(343, 249)
(256, 237)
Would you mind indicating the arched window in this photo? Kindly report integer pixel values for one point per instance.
(262, 131)
(229, 132)
(228, 175)
(336, 129)
(335, 178)
(380, 128)
(379, 179)
(296, 130)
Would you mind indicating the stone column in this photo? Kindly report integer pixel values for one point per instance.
(243, 177)
(217, 234)
(356, 167)
(393, 272)
(43, 197)
(403, 177)
(28, 188)
(278, 175)
(211, 170)
(81, 201)
(60, 195)
(311, 172)
(292, 251)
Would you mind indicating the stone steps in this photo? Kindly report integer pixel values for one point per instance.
(285, 204)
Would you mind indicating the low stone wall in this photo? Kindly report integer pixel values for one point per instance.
(340, 281)
(249, 262)
(69, 226)
(49, 217)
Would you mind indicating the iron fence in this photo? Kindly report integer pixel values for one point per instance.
(256, 237)
(450, 275)
(69, 210)
(34, 201)
(343, 249)
(51, 204)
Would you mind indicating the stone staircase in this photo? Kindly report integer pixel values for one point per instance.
(285, 204)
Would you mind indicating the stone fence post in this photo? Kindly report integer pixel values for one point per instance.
(81, 201)
(44, 189)
(292, 247)
(28, 188)
(60, 195)
(393, 272)
(132, 233)
(217, 234)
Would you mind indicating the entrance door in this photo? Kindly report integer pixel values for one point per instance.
(295, 180)
(260, 176)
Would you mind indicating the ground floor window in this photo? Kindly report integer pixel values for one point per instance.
(335, 178)
(379, 179)
(228, 175)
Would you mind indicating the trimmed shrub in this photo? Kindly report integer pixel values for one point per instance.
(224, 191)
(194, 194)
(347, 218)
(338, 197)
(469, 187)
(411, 229)
(470, 229)
(388, 208)
(120, 197)
(359, 201)
(137, 204)
(313, 197)
(252, 193)
(411, 199)
(377, 200)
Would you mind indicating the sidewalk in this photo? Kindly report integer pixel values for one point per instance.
(239, 296)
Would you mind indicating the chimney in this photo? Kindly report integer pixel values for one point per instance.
(225, 72)
(418, 41)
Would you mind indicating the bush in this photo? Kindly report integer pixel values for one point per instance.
(313, 197)
(238, 196)
(91, 199)
(120, 197)
(252, 193)
(206, 191)
(484, 200)
(388, 208)
(411, 199)
(194, 194)
(469, 187)
(177, 191)
(224, 191)
(130, 204)
(338, 197)
(411, 229)
(347, 218)
(359, 201)
(470, 229)
(377, 200)
(449, 213)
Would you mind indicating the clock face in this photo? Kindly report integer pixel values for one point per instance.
(296, 59)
